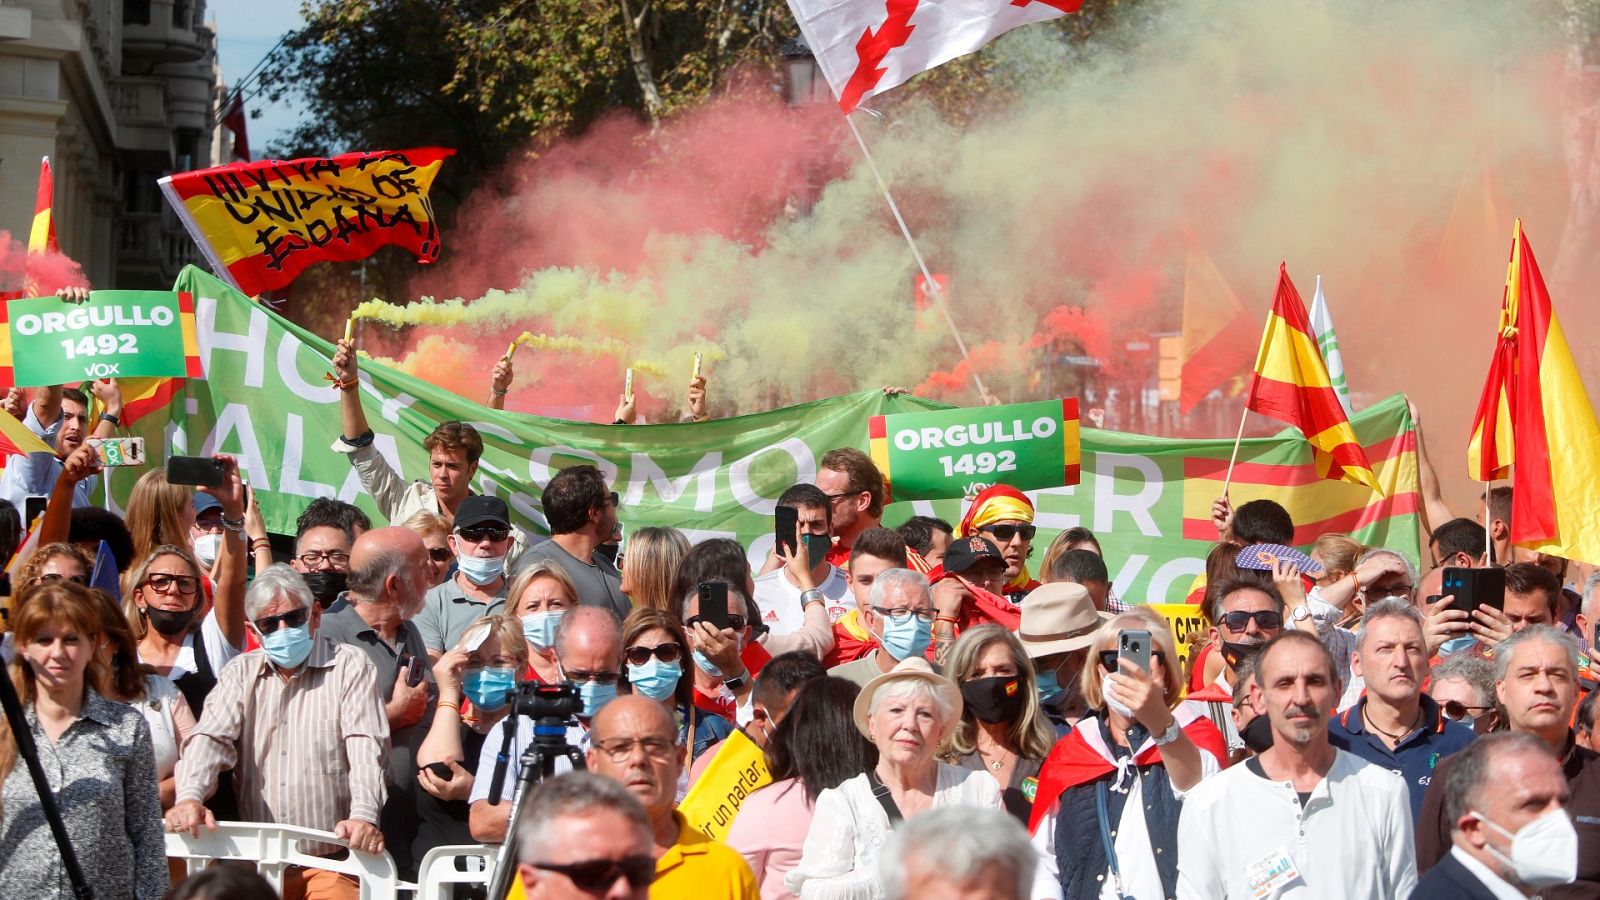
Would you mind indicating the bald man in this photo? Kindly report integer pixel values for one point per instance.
(635, 742)
(388, 576)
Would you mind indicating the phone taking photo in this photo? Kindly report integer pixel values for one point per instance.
(1134, 646)
(714, 603)
(200, 471)
(785, 522)
(1475, 587)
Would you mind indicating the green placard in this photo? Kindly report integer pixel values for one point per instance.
(958, 452)
(114, 334)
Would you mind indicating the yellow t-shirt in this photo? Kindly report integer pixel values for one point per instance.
(698, 868)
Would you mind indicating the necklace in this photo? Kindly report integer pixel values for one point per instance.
(1393, 737)
(995, 765)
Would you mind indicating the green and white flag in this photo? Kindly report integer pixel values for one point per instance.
(1328, 343)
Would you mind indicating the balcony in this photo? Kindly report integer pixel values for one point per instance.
(162, 31)
(151, 249)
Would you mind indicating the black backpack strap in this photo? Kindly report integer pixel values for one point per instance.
(880, 792)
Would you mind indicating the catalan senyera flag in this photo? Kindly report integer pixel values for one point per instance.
(262, 223)
(42, 236)
(16, 438)
(1291, 384)
(1535, 424)
(1218, 333)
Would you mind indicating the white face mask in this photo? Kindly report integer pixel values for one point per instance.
(1543, 852)
(206, 547)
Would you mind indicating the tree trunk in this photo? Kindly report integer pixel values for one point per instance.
(633, 29)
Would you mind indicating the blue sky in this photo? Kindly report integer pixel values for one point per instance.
(246, 31)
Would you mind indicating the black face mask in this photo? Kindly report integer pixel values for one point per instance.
(170, 622)
(1233, 654)
(325, 586)
(1258, 734)
(994, 700)
(608, 551)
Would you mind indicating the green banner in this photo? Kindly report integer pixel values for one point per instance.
(114, 334)
(1147, 499)
(945, 453)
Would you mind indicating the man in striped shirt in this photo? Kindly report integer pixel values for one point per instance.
(301, 723)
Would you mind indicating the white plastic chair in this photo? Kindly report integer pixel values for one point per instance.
(272, 849)
(439, 869)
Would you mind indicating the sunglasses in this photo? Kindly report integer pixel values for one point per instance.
(1108, 659)
(164, 584)
(56, 576)
(478, 534)
(594, 876)
(1266, 619)
(1455, 710)
(1004, 533)
(294, 618)
(440, 554)
(734, 622)
(668, 653)
(577, 677)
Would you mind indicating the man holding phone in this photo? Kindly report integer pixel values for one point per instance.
(802, 600)
(35, 474)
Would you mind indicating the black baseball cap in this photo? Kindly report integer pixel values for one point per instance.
(966, 552)
(479, 509)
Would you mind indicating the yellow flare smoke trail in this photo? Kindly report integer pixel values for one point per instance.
(568, 344)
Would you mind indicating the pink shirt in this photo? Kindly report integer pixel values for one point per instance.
(770, 831)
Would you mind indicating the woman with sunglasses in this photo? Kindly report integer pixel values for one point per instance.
(1004, 515)
(97, 753)
(1106, 811)
(56, 562)
(434, 530)
(540, 593)
(473, 680)
(1002, 730)
(656, 651)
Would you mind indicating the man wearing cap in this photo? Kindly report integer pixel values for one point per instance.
(1058, 626)
(1004, 515)
(481, 539)
(899, 613)
(205, 535)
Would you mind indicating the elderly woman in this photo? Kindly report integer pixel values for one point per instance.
(540, 593)
(1105, 818)
(96, 752)
(906, 713)
(1002, 730)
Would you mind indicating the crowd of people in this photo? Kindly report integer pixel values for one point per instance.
(937, 718)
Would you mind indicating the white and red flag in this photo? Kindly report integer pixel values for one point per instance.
(866, 47)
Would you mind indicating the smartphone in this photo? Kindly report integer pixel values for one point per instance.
(32, 508)
(1473, 588)
(785, 520)
(1134, 646)
(127, 451)
(714, 603)
(414, 670)
(202, 471)
(441, 770)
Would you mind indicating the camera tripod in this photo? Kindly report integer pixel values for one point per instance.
(537, 763)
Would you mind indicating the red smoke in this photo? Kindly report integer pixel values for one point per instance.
(36, 274)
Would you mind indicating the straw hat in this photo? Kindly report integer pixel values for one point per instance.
(1058, 618)
(913, 669)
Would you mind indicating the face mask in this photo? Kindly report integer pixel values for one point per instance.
(170, 622)
(1258, 734)
(206, 547)
(1233, 654)
(706, 665)
(594, 696)
(1543, 852)
(325, 586)
(1049, 685)
(488, 688)
(481, 570)
(655, 679)
(540, 628)
(1457, 645)
(907, 638)
(1124, 711)
(608, 552)
(994, 700)
(288, 647)
(817, 546)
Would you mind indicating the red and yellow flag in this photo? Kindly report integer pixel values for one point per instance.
(42, 236)
(262, 223)
(1291, 384)
(16, 438)
(1535, 424)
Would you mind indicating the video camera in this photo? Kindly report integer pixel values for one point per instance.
(547, 701)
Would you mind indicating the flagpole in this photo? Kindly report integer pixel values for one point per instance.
(1226, 482)
(1488, 525)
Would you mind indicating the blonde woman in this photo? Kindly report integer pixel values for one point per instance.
(1123, 771)
(1002, 729)
(651, 567)
(539, 595)
(159, 513)
(434, 529)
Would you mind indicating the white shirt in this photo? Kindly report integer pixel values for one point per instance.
(779, 600)
(1353, 838)
(1491, 879)
(488, 757)
(218, 651)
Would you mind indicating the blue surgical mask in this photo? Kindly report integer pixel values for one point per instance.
(594, 696)
(655, 679)
(906, 638)
(540, 627)
(1457, 645)
(817, 546)
(481, 570)
(706, 665)
(487, 688)
(1049, 684)
(288, 647)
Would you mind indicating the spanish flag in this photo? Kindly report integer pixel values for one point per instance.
(1217, 332)
(42, 236)
(1535, 424)
(1291, 384)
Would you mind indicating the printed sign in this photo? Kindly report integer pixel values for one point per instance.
(115, 334)
(959, 452)
(738, 769)
(1187, 625)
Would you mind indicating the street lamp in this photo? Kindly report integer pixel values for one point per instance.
(803, 83)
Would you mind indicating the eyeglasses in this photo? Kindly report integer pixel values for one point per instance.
(1266, 619)
(613, 499)
(440, 554)
(163, 583)
(594, 876)
(1004, 533)
(668, 653)
(313, 558)
(1108, 659)
(1455, 710)
(480, 533)
(835, 498)
(294, 618)
(925, 613)
(577, 677)
(735, 622)
(620, 749)
(56, 576)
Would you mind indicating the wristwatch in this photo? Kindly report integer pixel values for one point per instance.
(734, 683)
(1300, 614)
(1170, 735)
